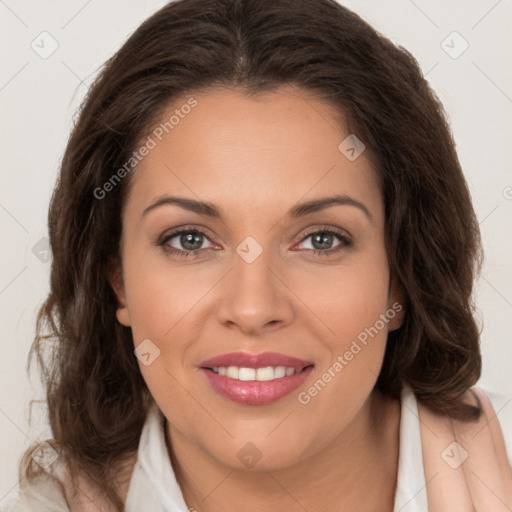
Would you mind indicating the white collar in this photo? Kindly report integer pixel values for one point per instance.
(411, 488)
(153, 485)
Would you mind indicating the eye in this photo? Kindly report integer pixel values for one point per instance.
(322, 241)
(190, 240)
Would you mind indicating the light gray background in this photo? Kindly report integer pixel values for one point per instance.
(39, 97)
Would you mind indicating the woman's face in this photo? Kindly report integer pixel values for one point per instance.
(310, 283)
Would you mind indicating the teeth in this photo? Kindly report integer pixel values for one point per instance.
(246, 374)
(290, 371)
(259, 374)
(267, 373)
(232, 371)
(279, 372)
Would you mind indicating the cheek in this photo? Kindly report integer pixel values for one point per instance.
(352, 302)
(361, 301)
(161, 303)
(164, 301)
(347, 298)
(158, 295)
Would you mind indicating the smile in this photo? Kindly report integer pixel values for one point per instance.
(255, 379)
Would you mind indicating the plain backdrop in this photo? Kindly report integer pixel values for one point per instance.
(470, 70)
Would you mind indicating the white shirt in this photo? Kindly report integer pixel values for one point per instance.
(153, 485)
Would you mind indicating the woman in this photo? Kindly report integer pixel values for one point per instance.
(264, 252)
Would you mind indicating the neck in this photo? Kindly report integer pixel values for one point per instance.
(358, 470)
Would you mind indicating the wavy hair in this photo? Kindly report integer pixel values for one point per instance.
(97, 398)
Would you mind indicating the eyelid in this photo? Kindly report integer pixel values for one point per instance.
(326, 228)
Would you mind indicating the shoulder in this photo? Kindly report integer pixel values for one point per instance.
(466, 462)
(52, 490)
(492, 430)
(43, 494)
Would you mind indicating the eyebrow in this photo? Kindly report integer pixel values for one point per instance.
(300, 210)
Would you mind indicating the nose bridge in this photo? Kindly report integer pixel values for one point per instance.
(254, 296)
(252, 267)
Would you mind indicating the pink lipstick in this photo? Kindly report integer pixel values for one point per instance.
(255, 379)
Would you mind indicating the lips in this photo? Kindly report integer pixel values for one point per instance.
(255, 392)
(247, 360)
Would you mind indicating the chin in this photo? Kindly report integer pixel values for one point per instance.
(259, 455)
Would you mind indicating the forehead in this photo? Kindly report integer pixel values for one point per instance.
(234, 150)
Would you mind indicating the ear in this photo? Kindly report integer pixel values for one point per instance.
(115, 275)
(396, 303)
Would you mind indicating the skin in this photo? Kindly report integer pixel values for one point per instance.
(256, 158)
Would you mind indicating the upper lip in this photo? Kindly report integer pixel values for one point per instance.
(248, 360)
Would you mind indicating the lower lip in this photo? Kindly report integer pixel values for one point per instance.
(256, 392)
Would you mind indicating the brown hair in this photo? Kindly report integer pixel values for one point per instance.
(96, 395)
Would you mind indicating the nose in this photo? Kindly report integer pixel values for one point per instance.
(254, 297)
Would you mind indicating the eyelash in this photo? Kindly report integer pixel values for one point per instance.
(345, 242)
